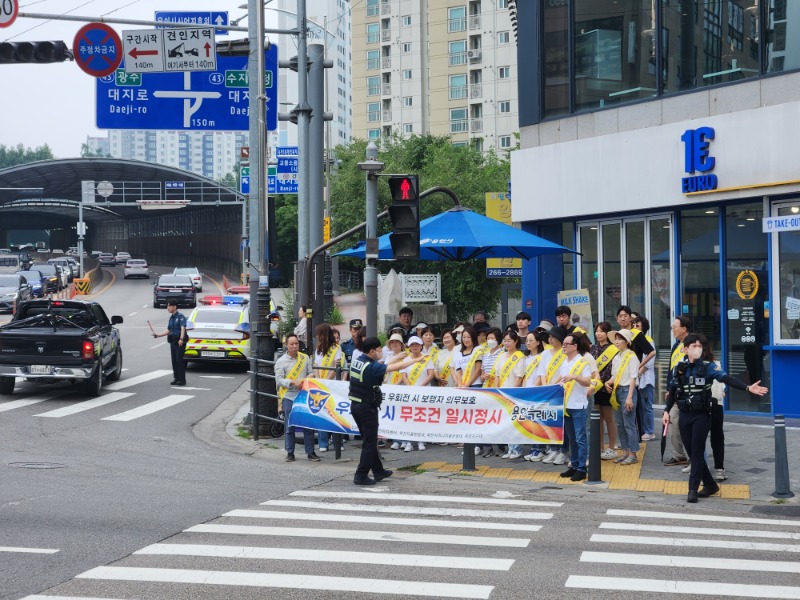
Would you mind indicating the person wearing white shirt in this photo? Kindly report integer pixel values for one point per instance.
(622, 387)
(576, 376)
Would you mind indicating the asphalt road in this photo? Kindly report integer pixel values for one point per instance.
(142, 509)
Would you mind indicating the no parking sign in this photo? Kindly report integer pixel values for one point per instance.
(97, 49)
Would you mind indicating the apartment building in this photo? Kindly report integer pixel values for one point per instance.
(444, 68)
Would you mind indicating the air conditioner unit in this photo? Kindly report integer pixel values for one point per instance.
(475, 92)
(474, 54)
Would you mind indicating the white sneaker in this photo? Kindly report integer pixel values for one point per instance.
(477, 450)
(537, 456)
(687, 468)
(506, 455)
(407, 447)
(608, 454)
(395, 446)
(550, 457)
(514, 455)
(560, 459)
(420, 446)
(323, 449)
(646, 437)
(721, 475)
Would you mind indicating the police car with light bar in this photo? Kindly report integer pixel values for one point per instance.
(219, 331)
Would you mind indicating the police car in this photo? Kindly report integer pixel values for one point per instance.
(219, 331)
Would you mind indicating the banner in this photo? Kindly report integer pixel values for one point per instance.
(529, 415)
(580, 304)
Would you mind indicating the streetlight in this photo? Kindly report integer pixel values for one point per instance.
(372, 166)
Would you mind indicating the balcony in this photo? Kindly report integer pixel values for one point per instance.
(386, 62)
(387, 89)
(459, 126)
(386, 8)
(458, 58)
(387, 116)
(386, 35)
(475, 91)
(458, 92)
(456, 25)
(476, 125)
(474, 22)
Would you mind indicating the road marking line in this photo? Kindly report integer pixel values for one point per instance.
(85, 405)
(333, 556)
(126, 383)
(692, 562)
(23, 402)
(28, 550)
(411, 510)
(282, 580)
(683, 587)
(157, 345)
(692, 517)
(778, 535)
(456, 499)
(38, 597)
(693, 543)
(348, 534)
(292, 516)
(133, 313)
(148, 409)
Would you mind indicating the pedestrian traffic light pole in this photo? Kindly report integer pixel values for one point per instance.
(372, 166)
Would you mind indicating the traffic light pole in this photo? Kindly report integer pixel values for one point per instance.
(372, 166)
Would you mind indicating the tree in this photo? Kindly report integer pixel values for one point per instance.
(11, 156)
(87, 153)
(468, 172)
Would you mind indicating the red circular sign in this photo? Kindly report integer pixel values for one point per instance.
(97, 49)
(8, 12)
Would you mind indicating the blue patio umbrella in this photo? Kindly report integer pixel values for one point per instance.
(460, 234)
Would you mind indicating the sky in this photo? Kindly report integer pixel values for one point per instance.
(54, 104)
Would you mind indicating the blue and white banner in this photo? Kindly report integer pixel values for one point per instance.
(530, 415)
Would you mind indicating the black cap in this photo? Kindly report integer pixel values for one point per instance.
(355, 323)
(558, 333)
(481, 326)
(523, 315)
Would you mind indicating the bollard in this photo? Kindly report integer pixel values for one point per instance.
(782, 489)
(594, 447)
(468, 462)
(337, 444)
(254, 397)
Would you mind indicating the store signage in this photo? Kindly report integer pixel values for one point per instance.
(770, 224)
(697, 159)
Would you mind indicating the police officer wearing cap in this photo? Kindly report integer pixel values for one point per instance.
(366, 376)
(690, 388)
(350, 345)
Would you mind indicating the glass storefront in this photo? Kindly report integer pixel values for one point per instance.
(786, 254)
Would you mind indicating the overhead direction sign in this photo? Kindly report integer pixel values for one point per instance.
(168, 50)
(8, 12)
(97, 49)
(182, 101)
(218, 18)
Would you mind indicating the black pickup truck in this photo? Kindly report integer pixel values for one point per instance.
(60, 340)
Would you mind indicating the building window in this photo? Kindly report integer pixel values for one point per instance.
(502, 4)
(373, 8)
(458, 120)
(374, 134)
(373, 112)
(503, 72)
(457, 19)
(408, 128)
(406, 47)
(457, 52)
(505, 142)
(373, 86)
(503, 38)
(408, 101)
(406, 20)
(373, 59)
(373, 33)
(407, 74)
(458, 87)
(504, 107)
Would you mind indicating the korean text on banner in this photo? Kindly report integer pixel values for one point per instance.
(440, 414)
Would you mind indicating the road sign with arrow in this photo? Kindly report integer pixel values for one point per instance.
(169, 50)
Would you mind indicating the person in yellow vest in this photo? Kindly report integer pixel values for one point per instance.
(681, 327)
(534, 343)
(327, 358)
(622, 387)
(508, 371)
(647, 384)
(290, 370)
(468, 359)
(445, 370)
(421, 373)
(604, 352)
(429, 348)
(552, 359)
(492, 349)
(575, 375)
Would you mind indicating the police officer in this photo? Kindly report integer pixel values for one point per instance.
(350, 345)
(366, 376)
(176, 336)
(690, 388)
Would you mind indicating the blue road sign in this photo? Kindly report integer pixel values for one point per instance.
(288, 161)
(195, 18)
(175, 185)
(244, 187)
(196, 101)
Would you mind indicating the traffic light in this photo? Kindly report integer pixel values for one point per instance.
(34, 52)
(404, 214)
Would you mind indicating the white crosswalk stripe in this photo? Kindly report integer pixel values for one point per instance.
(126, 383)
(85, 405)
(23, 402)
(150, 408)
(685, 573)
(349, 547)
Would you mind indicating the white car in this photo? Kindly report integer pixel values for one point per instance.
(121, 257)
(136, 267)
(193, 273)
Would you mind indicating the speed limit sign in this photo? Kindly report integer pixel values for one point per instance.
(8, 12)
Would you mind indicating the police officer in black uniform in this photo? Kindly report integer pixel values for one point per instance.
(350, 345)
(366, 376)
(691, 388)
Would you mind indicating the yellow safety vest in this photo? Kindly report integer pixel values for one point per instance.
(296, 370)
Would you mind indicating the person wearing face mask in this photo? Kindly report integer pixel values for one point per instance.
(492, 350)
(366, 375)
(691, 390)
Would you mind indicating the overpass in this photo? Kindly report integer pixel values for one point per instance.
(161, 213)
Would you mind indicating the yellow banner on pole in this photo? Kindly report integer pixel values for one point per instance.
(498, 207)
(326, 230)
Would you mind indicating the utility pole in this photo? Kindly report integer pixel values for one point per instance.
(372, 166)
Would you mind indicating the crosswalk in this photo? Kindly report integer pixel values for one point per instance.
(703, 555)
(110, 395)
(361, 544)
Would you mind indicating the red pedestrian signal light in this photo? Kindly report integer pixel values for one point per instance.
(404, 214)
